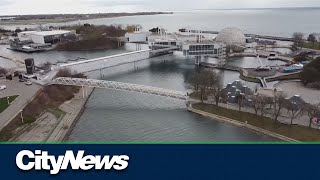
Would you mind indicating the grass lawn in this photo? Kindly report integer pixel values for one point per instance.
(4, 102)
(311, 46)
(297, 132)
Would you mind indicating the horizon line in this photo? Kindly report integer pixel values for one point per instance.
(255, 8)
(167, 11)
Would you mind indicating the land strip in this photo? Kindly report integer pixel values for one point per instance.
(297, 132)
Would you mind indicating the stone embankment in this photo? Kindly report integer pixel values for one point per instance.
(241, 124)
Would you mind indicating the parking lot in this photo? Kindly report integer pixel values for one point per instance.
(14, 87)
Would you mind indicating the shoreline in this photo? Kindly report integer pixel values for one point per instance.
(31, 22)
(76, 119)
(68, 122)
(242, 125)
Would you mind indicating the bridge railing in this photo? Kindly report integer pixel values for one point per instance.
(120, 86)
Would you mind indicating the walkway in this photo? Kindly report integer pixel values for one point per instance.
(49, 127)
(121, 86)
(263, 82)
(105, 62)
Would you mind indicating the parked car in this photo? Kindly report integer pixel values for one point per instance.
(28, 83)
(3, 87)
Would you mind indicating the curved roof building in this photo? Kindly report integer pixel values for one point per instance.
(232, 36)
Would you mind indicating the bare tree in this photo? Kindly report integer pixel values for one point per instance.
(260, 102)
(240, 100)
(294, 110)
(312, 38)
(263, 102)
(298, 39)
(311, 111)
(279, 101)
(255, 103)
(202, 81)
(216, 87)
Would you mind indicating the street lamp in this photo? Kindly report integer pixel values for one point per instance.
(22, 120)
(8, 100)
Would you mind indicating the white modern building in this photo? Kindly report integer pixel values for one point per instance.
(138, 36)
(42, 37)
(212, 49)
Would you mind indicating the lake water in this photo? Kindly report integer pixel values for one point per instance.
(122, 116)
(279, 22)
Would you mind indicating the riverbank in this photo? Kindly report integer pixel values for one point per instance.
(241, 124)
(74, 109)
(55, 124)
(262, 124)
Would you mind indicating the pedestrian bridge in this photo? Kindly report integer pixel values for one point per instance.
(120, 86)
(105, 62)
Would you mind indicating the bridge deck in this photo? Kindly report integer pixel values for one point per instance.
(120, 86)
(108, 61)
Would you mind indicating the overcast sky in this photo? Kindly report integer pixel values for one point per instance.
(11, 7)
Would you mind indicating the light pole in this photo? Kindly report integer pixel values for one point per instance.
(22, 120)
(8, 100)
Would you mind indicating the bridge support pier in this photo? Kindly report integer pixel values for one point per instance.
(138, 47)
(101, 73)
(84, 92)
(198, 60)
(82, 89)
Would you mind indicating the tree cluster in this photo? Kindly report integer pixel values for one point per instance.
(311, 73)
(207, 83)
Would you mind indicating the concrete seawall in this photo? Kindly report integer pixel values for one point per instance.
(241, 124)
(66, 136)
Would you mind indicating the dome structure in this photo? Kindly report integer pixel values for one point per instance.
(232, 36)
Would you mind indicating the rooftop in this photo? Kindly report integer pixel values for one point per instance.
(46, 33)
(50, 33)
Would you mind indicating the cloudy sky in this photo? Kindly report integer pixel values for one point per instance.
(11, 7)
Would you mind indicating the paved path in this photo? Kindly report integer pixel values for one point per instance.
(73, 109)
(297, 88)
(243, 125)
(37, 131)
(49, 128)
(26, 94)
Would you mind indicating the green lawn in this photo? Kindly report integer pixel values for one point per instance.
(311, 46)
(300, 133)
(4, 102)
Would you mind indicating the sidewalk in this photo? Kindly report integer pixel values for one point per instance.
(241, 124)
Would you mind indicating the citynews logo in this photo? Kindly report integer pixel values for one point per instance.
(40, 160)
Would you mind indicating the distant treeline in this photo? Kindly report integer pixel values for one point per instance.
(4, 30)
(83, 16)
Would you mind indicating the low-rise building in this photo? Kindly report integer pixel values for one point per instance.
(43, 37)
